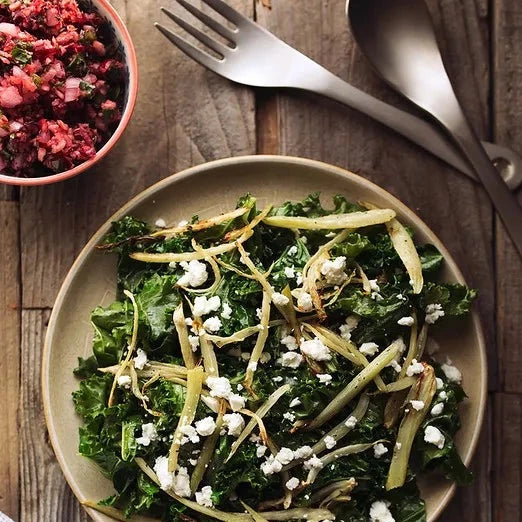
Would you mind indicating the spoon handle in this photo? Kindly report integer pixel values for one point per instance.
(504, 202)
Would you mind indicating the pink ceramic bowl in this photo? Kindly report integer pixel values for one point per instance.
(129, 57)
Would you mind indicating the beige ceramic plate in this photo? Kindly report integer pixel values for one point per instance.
(207, 190)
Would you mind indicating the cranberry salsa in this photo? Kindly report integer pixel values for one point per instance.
(61, 85)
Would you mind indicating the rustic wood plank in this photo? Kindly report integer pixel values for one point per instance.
(185, 115)
(474, 502)
(507, 481)
(44, 493)
(507, 98)
(10, 360)
(455, 207)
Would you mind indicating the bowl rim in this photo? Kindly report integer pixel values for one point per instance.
(132, 65)
(246, 160)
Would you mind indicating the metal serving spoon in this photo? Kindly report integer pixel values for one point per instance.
(399, 40)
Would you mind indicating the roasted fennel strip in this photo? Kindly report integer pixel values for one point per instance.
(182, 331)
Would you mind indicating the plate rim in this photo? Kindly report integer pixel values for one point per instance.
(194, 171)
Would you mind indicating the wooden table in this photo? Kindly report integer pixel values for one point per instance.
(187, 115)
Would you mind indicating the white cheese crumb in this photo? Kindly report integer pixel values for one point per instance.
(440, 383)
(324, 378)
(285, 456)
(415, 368)
(290, 342)
(227, 311)
(183, 223)
(289, 272)
(433, 435)
(292, 483)
(193, 462)
(375, 290)
(140, 360)
(271, 466)
(395, 365)
(330, 442)
(433, 313)
(219, 387)
(350, 422)
(148, 434)
(313, 463)
(292, 251)
(204, 497)
(443, 395)
(195, 274)
(265, 357)
(124, 381)
(333, 271)
(417, 405)
(303, 452)
(304, 302)
(259, 313)
(160, 223)
(379, 450)
(315, 349)
(437, 409)
(260, 451)
(252, 366)
(289, 416)
(295, 402)
(406, 321)
(350, 325)
(279, 299)
(369, 349)
(277, 378)
(291, 359)
(194, 342)
(451, 372)
(204, 306)
(206, 426)
(179, 482)
(234, 423)
(212, 324)
(236, 401)
(379, 512)
(190, 433)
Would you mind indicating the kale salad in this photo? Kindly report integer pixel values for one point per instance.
(272, 364)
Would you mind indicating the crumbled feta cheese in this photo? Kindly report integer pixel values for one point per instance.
(299, 278)
(290, 342)
(140, 360)
(433, 313)
(350, 422)
(304, 302)
(289, 416)
(289, 272)
(451, 372)
(160, 223)
(279, 299)
(260, 451)
(285, 456)
(254, 438)
(148, 434)
(379, 512)
(401, 345)
(330, 442)
(417, 405)
(194, 342)
(204, 497)
(379, 450)
(333, 271)
(315, 349)
(183, 223)
(433, 435)
(173, 265)
(295, 402)
(212, 324)
(395, 365)
(265, 357)
(292, 483)
(437, 409)
(124, 381)
(406, 321)
(401, 297)
(375, 290)
(195, 274)
(324, 378)
(369, 349)
(204, 306)
(303, 452)
(219, 386)
(312, 463)
(206, 426)
(259, 313)
(271, 466)
(236, 402)
(234, 423)
(443, 395)
(415, 368)
(193, 462)
(291, 359)
(191, 433)
(252, 366)
(440, 383)
(178, 482)
(227, 311)
(245, 356)
(292, 251)
(277, 378)
(350, 325)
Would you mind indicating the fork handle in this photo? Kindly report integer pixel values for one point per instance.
(415, 129)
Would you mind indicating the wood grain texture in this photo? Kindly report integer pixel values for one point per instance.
(45, 496)
(10, 360)
(185, 115)
(507, 506)
(507, 103)
(456, 208)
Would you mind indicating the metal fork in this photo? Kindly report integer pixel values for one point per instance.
(257, 58)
